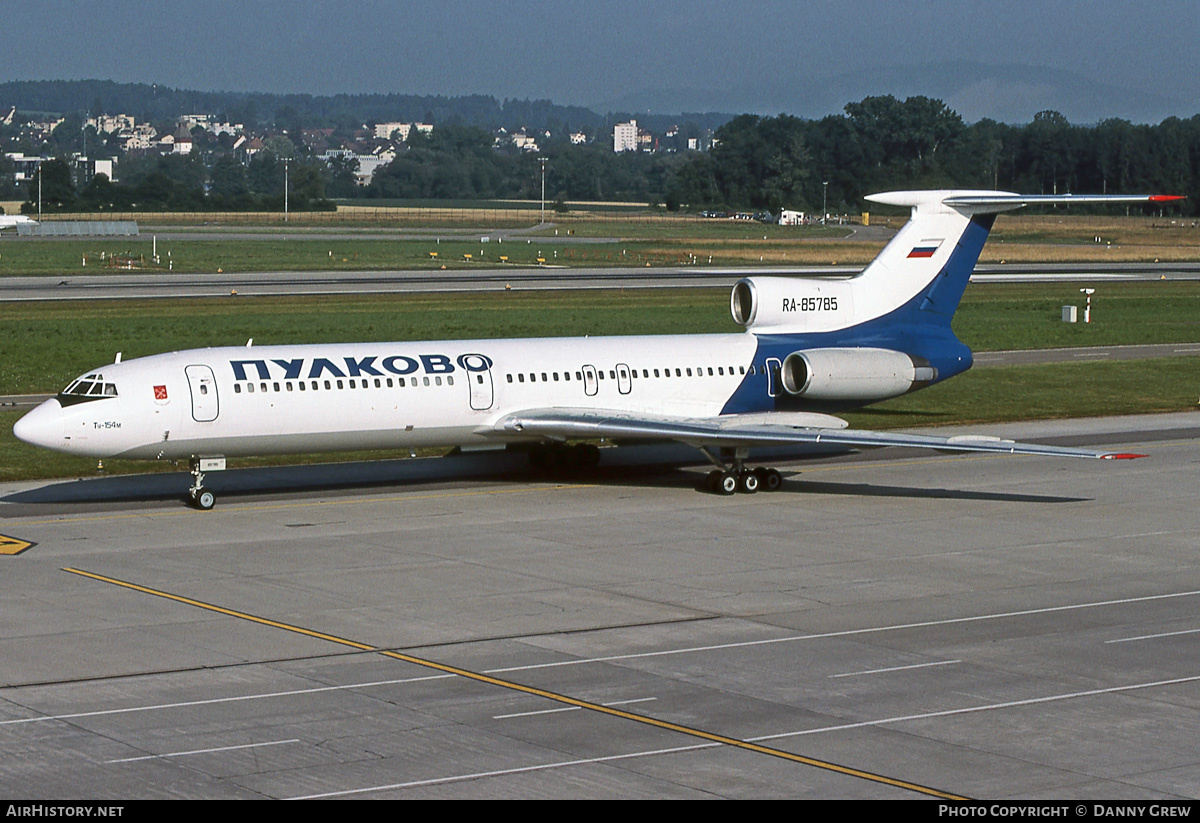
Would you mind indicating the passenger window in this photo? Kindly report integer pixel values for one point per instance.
(509, 376)
(437, 380)
(300, 385)
(289, 385)
(612, 375)
(378, 383)
(521, 377)
(721, 370)
(276, 387)
(426, 381)
(544, 380)
(710, 374)
(678, 373)
(689, 372)
(400, 382)
(249, 387)
(450, 380)
(341, 385)
(578, 375)
(328, 385)
(389, 382)
(237, 388)
(555, 378)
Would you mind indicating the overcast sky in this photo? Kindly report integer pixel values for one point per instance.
(588, 52)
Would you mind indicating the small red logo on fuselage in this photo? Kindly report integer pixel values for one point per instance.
(160, 392)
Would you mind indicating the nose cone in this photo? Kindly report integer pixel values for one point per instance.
(43, 426)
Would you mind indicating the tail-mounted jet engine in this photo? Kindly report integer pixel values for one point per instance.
(856, 374)
(791, 304)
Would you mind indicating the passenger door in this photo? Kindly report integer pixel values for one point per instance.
(591, 383)
(479, 375)
(203, 385)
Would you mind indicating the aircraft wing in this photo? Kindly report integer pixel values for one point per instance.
(767, 429)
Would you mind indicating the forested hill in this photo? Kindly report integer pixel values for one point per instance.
(256, 110)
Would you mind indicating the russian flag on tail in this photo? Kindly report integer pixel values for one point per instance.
(926, 248)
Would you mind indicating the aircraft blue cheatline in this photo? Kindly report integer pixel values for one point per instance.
(811, 347)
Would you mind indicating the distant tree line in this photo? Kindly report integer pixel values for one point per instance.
(882, 143)
(182, 182)
(154, 103)
(756, 163)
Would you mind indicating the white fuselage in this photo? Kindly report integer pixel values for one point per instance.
(240, 401)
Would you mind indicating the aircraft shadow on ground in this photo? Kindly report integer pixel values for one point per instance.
(662, 466)
(867, 490)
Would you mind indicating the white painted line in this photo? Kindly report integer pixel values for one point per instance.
(1152, 636)
(987, 707)
(218, 700)
(898, 668)
(700, 746)
(459, 778)
(1094, 354)
(203, 751)
(571, 708)
(609, 658)
(1187, 350)
(532, 714)
(846, 633)
(630, 702)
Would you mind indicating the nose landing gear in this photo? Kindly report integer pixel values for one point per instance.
(199, 496)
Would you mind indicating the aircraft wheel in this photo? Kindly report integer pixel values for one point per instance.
(769, 479)
(728, 483)
(747, 482)
(204, 499)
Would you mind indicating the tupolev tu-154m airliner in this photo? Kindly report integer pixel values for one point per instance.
(810, 347)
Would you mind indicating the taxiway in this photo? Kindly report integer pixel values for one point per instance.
(889, 625)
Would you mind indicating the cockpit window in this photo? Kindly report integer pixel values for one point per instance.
(88, 387)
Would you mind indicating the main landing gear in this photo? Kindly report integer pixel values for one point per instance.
(732, 476)
(199, 496)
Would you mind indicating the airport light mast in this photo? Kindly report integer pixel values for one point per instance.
(542, 160)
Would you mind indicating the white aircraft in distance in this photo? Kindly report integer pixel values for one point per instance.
(8, 221)
(811, 346)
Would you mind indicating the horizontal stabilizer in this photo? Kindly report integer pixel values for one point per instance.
(987, 202)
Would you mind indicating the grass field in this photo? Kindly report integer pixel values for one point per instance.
(636, 239)
(49, 343)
